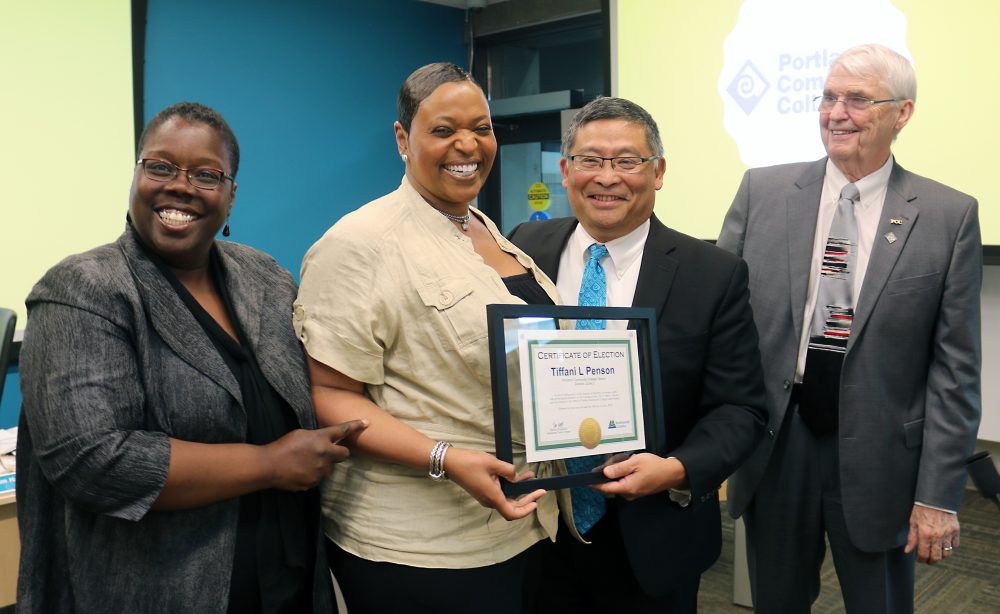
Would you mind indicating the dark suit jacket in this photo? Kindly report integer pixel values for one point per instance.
(113, 365)
(712, 388)
(910, 385)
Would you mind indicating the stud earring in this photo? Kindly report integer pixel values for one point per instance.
(225, 231)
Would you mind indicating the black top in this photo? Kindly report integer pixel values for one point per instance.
(526, 288)
(274, 551)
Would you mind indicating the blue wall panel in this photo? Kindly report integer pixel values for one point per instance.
(309, 88)
(10, 404)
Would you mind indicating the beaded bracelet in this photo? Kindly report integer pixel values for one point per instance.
(437, 461)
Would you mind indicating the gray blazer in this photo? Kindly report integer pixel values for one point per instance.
(112, 365)
(910, 387)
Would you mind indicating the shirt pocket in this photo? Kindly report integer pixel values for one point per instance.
(452, 306)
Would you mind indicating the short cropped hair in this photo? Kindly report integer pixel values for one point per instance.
(892, 70)
(195, 112)
(613, 108)
(421, 83)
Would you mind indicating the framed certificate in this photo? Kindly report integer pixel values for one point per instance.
(560, 392)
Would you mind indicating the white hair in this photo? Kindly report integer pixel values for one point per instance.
(892, 70)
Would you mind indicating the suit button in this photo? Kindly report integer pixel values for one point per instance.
(446, 298)
(299, 313)
(785, 385)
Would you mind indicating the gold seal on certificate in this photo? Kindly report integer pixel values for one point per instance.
(590, 433)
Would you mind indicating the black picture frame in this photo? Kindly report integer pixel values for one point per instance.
(640, 319)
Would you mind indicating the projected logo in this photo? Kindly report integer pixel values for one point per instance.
(775, 62)
(748, 87)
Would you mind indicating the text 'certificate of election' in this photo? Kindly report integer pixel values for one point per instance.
(581, 393)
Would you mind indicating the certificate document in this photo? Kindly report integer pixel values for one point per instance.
(581, 393)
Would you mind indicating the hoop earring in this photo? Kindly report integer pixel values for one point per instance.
(405, 158)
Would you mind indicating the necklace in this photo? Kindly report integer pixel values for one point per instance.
(461, 219)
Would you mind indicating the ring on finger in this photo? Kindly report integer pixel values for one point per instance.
(947, 548)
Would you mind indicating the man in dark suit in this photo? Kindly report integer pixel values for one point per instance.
(874, 397)
(660, 529)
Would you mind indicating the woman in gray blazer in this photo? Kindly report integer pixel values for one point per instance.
(168, 445)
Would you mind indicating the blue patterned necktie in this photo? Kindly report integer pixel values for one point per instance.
(588, 504)
(594, 287)
(832, 318)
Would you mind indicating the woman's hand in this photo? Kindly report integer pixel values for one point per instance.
(479, 474)
(204, 473)
(338, 397)
(302, 458)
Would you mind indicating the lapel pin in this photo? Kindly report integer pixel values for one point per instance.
(890, 237)
(895, 221)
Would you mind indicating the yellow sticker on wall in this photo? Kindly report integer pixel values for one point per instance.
(538, 196)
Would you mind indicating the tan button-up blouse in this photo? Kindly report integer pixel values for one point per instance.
(393, 295)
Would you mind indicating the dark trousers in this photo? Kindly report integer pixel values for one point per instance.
(597, 578)
(797, 502)
(371, 587)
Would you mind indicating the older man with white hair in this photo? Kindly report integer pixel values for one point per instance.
(865, 282)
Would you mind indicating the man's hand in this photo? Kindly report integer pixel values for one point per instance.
(642, 474)
(933, 533)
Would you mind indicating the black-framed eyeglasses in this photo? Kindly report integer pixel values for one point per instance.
(203, 178)
(825, 104)
(620, 164)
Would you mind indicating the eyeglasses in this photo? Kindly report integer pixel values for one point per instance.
(203, 178)
(825, 104)
(621, 164)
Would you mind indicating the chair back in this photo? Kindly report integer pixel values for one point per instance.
(7, 321)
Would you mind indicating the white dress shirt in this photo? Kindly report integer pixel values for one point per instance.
(621, 268)
(621, 272)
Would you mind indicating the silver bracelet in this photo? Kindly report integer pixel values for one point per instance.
(437, 461)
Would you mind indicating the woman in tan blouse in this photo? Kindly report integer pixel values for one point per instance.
(391, 312)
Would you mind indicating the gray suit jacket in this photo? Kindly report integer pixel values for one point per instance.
(910, 386)
(113, 364)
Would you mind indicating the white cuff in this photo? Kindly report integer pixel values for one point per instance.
(680, 496)
(940, 509)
